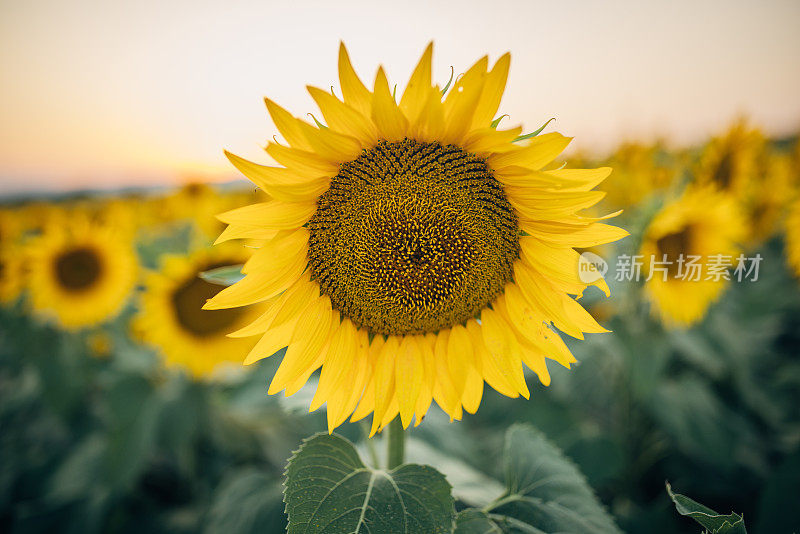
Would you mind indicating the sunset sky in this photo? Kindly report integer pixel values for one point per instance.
(106, 94)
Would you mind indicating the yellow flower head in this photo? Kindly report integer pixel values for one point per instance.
(12, 272)
(171, 318)
(793, 236)
(637, 174)
(80, 273)
(729, 162)
(685, 237)
(767, 197)
(412, 250)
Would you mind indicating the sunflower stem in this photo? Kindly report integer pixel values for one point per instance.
(396, 444)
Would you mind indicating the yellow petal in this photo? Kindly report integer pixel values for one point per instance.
(288, 125)
(539, 151)
(460, 358)
(460, 104)
(408, 377)
(492, 93)
(533, 204)
(573, 235)
(271, 342)
(384, 380)
(277, 252)
(491, 369)
(416, 94)
(425, 397)
(302, 162)
(473, 390)
(344, 118)
(308, 339)
(332, 146)
(504, 350)
(367, 403)
(429, 125)
(354, 92)
(444, 391)
(485, 141)
(391, 123)
(257, 287)
(288, 304)
(271, 215)
(338, 362)
(280, 183)
(234, 231)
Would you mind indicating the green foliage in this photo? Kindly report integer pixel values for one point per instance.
(545, 493)
(712, 521)
(329, 489)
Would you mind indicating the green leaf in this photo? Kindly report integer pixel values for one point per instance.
(446, 87)
(533, 134)
(329, 489)
(224, 276)
(544, 490)
(711, 520)
(496, 122)
(473, 521)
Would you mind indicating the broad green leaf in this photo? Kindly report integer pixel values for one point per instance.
(469, 485)
(544, 490)
(715, 523)
(224, 276)
(329, 489)
(474, 521)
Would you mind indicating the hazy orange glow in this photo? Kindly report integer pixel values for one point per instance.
(104, 94)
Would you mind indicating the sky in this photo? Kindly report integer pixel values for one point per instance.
(100, 94)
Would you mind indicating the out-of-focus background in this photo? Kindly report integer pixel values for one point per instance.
(123, 408)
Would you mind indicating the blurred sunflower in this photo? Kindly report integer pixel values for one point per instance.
(10, 227)
(413, 250)
(678, 248)
(80, 273)
(171, 317)
(199, 203)
(639, 171)
(765, 200)
(729, 162)
(12, 273)
(793, 236)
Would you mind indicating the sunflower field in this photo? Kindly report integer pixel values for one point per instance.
(446, 325)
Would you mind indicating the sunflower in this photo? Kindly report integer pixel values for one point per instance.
(729, 162)
(639, 171)
(766, 199)
(684, 238)
(793, 236)
(12, 273)
(199, 203)
(80, 273)
(10, 227)
(171, 317)
(413, 250)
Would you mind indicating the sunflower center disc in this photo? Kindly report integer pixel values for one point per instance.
(413, 237)
(78, 269)
(675, 246)
(189, 298)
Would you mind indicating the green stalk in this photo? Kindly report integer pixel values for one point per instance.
(396, 444)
